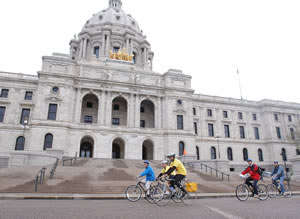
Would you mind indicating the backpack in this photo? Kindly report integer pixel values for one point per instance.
(259, 170)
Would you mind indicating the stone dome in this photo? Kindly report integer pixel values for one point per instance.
(112, 16)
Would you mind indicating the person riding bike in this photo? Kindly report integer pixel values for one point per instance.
(279, 175)
(180, 173)
(253, 170)
(165, 169)
(150, 175)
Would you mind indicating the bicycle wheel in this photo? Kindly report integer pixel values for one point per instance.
(190, 198)
(262, 192)
(153, 190)
(288, 191)
(162, 197)
(176, 197)
(242, 192)
(272, 190)
(133, 193)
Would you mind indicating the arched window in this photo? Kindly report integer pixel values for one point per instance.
(229, 154)
(48, 141)
(298, 151)
(198, 153)
(245, 154)
(20, 143)
(181, 148)
(283, 153)
(260, 155)
(213, 153)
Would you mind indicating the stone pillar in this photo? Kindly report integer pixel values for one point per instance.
(102, 52)
(81, 48)
(78, 106)
(84, 48)
(102, 108)
(145, 56)
(107, 45)
(108, 111)
(130, 46)
(158, 115)
(131, 110)
(137, 111)
(127, 45)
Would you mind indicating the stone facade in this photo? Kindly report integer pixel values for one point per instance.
(100, 107)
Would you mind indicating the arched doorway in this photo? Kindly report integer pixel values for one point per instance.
(89, 109)
(148, 150)
(147, 114)
(119, 111)
(118, 149)
(86, 147)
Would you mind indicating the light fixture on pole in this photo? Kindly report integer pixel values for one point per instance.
(218, 137)
(284, 161)
(25, 126)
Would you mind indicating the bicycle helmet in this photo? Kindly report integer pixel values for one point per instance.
(147, 162)
(164, 162)
(276, 161)
(171, 155)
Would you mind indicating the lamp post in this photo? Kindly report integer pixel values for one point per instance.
(25, 126)
(284, 161)
(218, 137)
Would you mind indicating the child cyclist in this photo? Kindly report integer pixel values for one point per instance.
(164, 170)
(149, 173)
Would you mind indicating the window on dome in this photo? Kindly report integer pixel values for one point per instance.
(96, 51)
(100, 17)
(118, 17)
(116, 49)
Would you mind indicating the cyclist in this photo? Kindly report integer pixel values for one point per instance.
(180, 173)
(279, 175)
(150, 175)
(165, 169)
(253, 170)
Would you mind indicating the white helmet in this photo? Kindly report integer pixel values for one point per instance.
(164, 162)
(171, 155)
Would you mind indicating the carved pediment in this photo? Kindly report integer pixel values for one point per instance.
(54, 99)
(180, 111)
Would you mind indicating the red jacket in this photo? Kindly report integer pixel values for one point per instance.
(253, 170)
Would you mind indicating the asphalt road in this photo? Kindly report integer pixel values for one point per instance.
(204, 208)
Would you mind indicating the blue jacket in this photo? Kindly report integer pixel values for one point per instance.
(149, 173)
(278, 171)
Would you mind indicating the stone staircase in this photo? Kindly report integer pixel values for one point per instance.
(106, 176)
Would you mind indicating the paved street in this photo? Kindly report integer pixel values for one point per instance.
(204, 208)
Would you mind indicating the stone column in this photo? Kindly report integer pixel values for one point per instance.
(158, 117)
(102, 108)
(145, 56)
(103, 46)
(108, 111)
(78, 106)
(127, 45)
(131, 110)
(137, 111)
(84, 48)
(81, 48)
(107, 45)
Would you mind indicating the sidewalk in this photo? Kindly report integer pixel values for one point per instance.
(50, 196)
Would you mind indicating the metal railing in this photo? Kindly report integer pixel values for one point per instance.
(212, 170)
(70, 159)
(38, 179)
(52, 171)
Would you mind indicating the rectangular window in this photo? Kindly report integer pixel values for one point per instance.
(28, 95)
(116, 107)
(2, 113)
(290, 118)
(89, 105)
(276, 117)
(179, 122)
(116, 49)
(227, 131)
(291, 130)
(4, 93)
(242, 132)
(240, 115)
(52, 111)
(88, 119)
(211, 130)
(196, 128)
(25, 115)
(254, 117)
(225, 114)
(142, 109)
(194, 112)
(115, 121)
(142, 123)
(256, 133)
(278, 132)
(209, 112)
(96, 51)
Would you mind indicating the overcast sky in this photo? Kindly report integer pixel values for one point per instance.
(208, 39)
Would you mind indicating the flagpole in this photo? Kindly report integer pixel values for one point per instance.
(238, 73)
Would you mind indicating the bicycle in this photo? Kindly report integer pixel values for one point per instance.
(166, 194)
(242, 191)
(274, 190)
(134, 192)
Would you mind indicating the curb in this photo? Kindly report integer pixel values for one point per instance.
(33, 196)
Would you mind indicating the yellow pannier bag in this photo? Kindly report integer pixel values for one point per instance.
(191, 187)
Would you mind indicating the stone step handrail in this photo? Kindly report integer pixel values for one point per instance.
(211, 170)
(70, 159)
(39, 177)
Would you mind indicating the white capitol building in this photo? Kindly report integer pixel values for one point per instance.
(103, 100)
